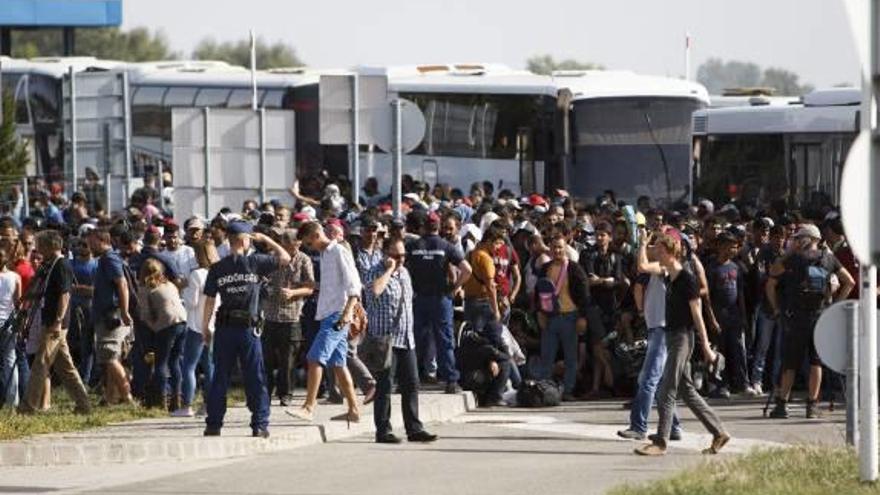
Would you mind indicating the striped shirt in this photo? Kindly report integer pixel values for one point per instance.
(275, 306)
(391, 312)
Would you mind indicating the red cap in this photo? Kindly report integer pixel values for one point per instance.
(433, 218)
(301, 217)
(537, 200)
(334, 221)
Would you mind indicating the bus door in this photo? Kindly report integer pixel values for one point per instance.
(531, 175)
(430, 171)
(814, 172)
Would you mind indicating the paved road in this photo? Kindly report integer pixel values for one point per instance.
(570, 449)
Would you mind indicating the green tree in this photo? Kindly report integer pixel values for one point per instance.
(718, 75)
(269, 56)
(13, 151)
(784, 82)
(546, 64)
(135, 45)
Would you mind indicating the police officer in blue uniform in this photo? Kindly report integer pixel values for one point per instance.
(237, 279)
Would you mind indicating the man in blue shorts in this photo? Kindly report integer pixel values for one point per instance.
(338, 296)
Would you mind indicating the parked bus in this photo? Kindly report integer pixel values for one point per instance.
(760, 153)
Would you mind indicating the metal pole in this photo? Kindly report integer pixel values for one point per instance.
(207, 116)
(253, 70)
(263, 197)
(26, 201)
(355, 157)
(687, 56)
(868, 455)
(73, 139)
(852, 374)
(397, 166)
(126, 109)
(108, 181)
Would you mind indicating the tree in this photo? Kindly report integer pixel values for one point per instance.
(13, 151)
(269, 56)
(546, 64)
(136, 45)
(784, 82)
(718, 75)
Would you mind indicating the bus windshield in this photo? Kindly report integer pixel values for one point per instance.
(633, 146)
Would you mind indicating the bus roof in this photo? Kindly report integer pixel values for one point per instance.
(56, 67)
(213, 74)
(778, 119)
(462, 78)
(610, 84)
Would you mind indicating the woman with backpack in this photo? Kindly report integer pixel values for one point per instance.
(561, 297)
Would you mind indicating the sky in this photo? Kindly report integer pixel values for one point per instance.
(809, 37)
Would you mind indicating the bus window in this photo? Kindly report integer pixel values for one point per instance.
(272, 99)
(45, 97)
(212, 97)
(180, 97)
(750, 167)
(148, 95)
(241, 98)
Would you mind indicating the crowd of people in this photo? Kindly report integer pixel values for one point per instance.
(478, 290)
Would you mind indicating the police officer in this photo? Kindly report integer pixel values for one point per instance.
(236, 278)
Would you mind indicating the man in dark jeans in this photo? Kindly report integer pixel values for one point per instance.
(388, 301)
(282, 333)
(429, 259)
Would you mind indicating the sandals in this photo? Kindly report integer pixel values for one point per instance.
(302, 413)
(349, 418)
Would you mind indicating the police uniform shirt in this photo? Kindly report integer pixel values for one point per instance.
(237, 279)
(427, 261)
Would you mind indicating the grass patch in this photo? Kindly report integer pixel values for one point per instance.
(801, 470)
(60, 418)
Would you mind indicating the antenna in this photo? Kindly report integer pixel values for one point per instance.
(687, 56)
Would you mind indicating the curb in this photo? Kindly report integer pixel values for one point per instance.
(113, 445)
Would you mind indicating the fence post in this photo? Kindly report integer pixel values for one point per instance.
(107, 190)
(262, 115)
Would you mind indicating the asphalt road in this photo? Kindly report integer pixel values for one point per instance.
(570, 449)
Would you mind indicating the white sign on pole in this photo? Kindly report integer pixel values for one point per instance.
(335, 103)
(830, 336)
(412, 127)
(854, 190)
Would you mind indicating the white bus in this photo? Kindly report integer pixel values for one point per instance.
(583, 131)
(762, 153)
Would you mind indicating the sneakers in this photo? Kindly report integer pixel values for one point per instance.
(717, 444)
(813, 410)
(780, 411)
(749, 391)
(651, 450)
(631, 434)
(183, 412)
(757, 389)
(284, 401)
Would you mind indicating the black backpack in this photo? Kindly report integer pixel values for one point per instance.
(538, 393)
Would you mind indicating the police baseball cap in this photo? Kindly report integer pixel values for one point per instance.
(239, 227)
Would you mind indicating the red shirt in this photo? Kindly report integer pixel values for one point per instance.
(503, 257)
(25, 270)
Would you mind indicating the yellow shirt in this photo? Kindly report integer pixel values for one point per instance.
(483, 267)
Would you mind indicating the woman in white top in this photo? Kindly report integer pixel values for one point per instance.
(195, 351)
(10, 294)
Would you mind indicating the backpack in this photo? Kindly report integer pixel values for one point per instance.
(538, 393)
(814, 286)
(547, 291)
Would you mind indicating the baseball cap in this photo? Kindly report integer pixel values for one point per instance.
(537, 200)
(433, 218)
(808, 230)
(240, 227)
(194, 223)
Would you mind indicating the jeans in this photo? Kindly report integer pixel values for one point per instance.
(195, 353)
(478, 313)
(140, 371)
(678, 382)
(766, 328)
(432, 322)
(24, 368)
(167, 346)
(561, 331)
(86, 347)
(233, 344)
(277, 356)
(404, 362)
(734, 349)
(649, 380)
(8, 372)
